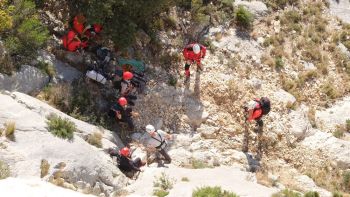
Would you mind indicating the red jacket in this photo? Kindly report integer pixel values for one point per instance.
(77, 26)
(72, 44)
(190, 55)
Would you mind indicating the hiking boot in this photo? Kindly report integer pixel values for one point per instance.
(199, 68)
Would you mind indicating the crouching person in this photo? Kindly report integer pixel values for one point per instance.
(158, 142)
(125, 163)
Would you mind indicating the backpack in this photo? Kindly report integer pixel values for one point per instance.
(264, 105)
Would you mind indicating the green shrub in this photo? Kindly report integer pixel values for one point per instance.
(243, 17)
(330, 90)
(311, 194)
(279, 63)
(287, 193)
(28, 33)
(337, 194)
(346, 180)
(160, 193)
(338, 133)
(198, 164)
(172, 80)
(4, 170)
(212, 192)
(47, 68)
(347, 125)
(60, 127)
(163, 182)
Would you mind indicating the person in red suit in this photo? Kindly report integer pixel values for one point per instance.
(71, 41)
(193, 53)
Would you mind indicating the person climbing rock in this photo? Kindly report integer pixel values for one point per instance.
(123, 113)
(193, 53)
(256, 109)
(127, 89)
(158, 142)
(125, 163)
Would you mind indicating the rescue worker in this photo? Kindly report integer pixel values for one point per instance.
(193, 53)
(127, 89)
(71, 41)
(123, 113)
(256, 108)
(158, 142)
(125, 162)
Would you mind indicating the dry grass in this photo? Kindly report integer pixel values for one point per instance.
(44, 168)
(330, 90)
(4, 170)
(311, 116)
(95, 139)
(10, 128)
(57, 95)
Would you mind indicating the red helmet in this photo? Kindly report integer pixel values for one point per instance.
(97, 28)
(124, 151)
(122, 101)
(127, 75)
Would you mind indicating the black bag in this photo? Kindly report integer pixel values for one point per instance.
(265, 105)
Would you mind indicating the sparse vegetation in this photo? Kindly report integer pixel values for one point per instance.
(47, 68)
(347, 125)
(163, 184)
(330, 90)
(4, 170)
(198, 164)
(281, 4)
(287, 193)
(44, 168)
(338, 133)
(212, 192)
(243, 17)
(337, 194)
(60, 127)
(311, 116)
(279, 64)
(346, 181)
(172, 80)
(312, 194)
(95, 139)
(185, 179)
(10, 128)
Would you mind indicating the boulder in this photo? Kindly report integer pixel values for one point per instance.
(341, 9)
(337, 149)
(257, 8)
(309, 66)
(307, 182)
(330, 118)
(27, 80)
(77, 159)
(284, 97)
(64, 72)
(344, 49)
(299, 125)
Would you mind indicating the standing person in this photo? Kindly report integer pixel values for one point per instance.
(158, 141)
(193, 53)
(125, 163)
(123, 113)
(256, 109)
(127, 88)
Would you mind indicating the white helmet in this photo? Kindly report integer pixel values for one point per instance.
(196, 48)
(150, 128)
